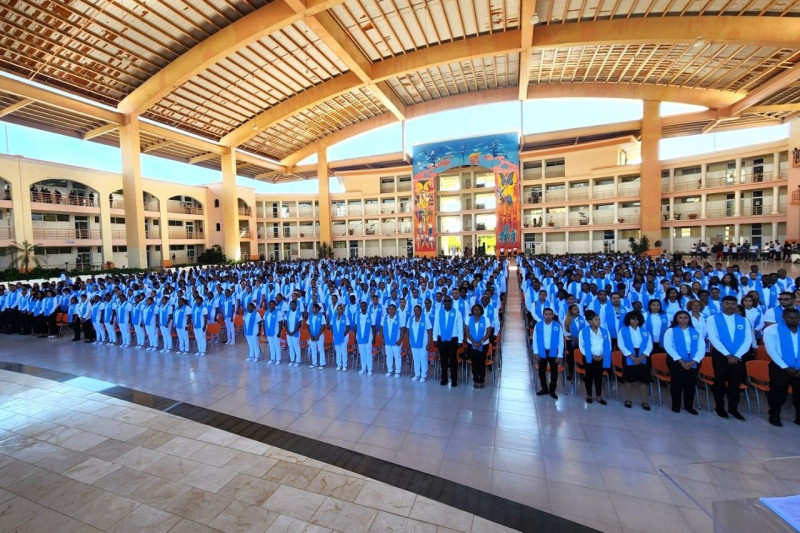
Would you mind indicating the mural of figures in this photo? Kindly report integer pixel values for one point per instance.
(499, 153)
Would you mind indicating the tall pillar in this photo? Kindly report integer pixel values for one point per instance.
(671, 208)
(105, 231)
(703, 175)
(793, 209)
(737, 178)
(737, 201)
(323, 179)
(132, 192)
(737, 231)
(20, 203)
(650, 198)
(776, 197)
(776, 166)
(703, 205)
(163, 233)
(671, 180)
(230, 207)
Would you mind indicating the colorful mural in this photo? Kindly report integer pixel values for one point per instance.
(499, 153)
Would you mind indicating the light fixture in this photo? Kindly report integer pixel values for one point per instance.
(698, 42)
(255, 127)
(535, 19)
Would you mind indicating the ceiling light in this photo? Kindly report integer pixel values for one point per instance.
(699, 42)
(535, 19)
(255, 127)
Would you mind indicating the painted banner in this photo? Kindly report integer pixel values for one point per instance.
(498, 153)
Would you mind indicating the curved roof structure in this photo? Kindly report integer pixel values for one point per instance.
(279, 80)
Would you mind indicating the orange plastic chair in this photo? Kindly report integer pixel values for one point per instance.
(580, 368)
(433, 356)
(706, 377)
(758, 374)
(238, 326)
(377, 350)
(327, 336)
(212, 334)
(661, 371)
(352, 350)
(761, 354)
(305, 336)
(616, 368)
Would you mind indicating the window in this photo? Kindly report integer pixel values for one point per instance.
(450, 183)
(62, 218)
(218, 226)
(216, 203)
(118, 220)
(57, 250)
(36, 216)
(175, 223)
(176, 247)
(121, 249)
(449, 204)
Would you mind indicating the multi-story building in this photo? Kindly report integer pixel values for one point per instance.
(576, 197)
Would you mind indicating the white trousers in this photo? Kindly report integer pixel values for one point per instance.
(166, 335)
(125, 331)
(152, 335)
(112, 333)
(274, 348)
(229, 330)
(294, 349)
(200, 339)
(183, 339)
(365, 353)
(100, 332)
(317, 348)
(252, 347)
(140, 337)
(420, 356)
(341, 354)
(393, 356)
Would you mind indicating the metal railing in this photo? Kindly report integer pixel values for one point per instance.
(51, 198)
(184, 208)
(246, 211)
(183, 234)
(67, 234)
(7, 232)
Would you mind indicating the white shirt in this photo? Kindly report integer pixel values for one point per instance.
(669, 344)
(713, 336)
(546, 330)
(772, 343)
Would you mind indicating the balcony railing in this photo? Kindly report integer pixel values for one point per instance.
(403, 186)
(796, 197)
(246, 211)
(183, 234)
(52, 198)
(184, 208)
(7, 232)
(244, 234)
(152, 234)
(68, 234)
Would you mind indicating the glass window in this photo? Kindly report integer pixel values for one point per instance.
(449, 204)
(450, 183)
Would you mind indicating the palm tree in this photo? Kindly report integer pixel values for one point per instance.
(26, 254)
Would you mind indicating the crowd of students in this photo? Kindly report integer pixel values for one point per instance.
(412, 306)
(644, 306)
(586, 306)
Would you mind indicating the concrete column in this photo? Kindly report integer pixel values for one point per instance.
(323, 178)
(671, 208)
(737, 177)
(776, 197)
(737, 228)
(776, 166)
(650, 197)
(703, 202)
(132, 192)
(671, 239)
(230, 207)
(544, 243)
(704, 175)
(703, 233)
(20, 204)
(163, 231)
(105, 232)
(591, 241)
(737, 200)
(775, 230)
(793, 211)
(671, 180)
(566, 242)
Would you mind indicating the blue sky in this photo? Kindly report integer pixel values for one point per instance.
(534, 116)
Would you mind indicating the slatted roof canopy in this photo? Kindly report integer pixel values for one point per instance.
(278, 80)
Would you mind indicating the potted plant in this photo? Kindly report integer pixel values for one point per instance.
(621, 220)
(692, 216)
(551, 223)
